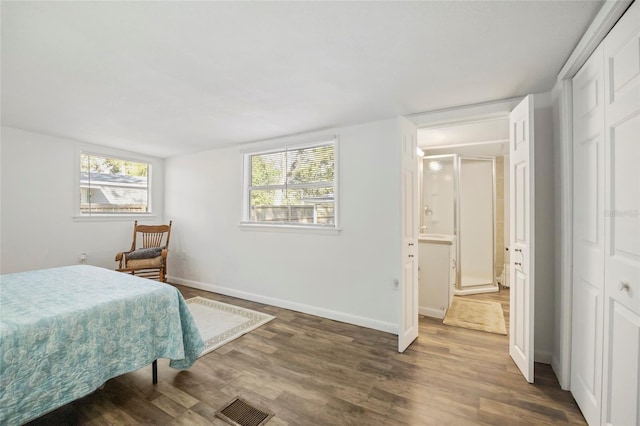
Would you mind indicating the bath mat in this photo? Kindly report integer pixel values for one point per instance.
(219, 323)
(476, 315)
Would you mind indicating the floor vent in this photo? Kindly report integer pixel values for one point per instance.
(240, 413)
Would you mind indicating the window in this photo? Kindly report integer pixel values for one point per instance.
(113, 185)
(292, 186)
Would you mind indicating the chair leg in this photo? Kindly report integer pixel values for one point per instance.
(154, 372)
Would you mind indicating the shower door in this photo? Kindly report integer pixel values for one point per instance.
(476, 222)
(439, 194)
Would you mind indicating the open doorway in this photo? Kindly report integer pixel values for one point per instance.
(530, 213)
(464, 223)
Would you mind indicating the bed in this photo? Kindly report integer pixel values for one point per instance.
(65, 331)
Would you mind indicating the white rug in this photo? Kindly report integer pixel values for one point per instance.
(220, 323)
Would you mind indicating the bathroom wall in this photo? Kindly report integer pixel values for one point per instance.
(438, 196)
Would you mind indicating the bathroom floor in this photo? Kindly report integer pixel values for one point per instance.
(501, 296)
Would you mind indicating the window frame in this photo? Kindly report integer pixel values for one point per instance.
(78, 215)
(247, 224)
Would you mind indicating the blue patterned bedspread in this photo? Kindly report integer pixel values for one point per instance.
(66, 331)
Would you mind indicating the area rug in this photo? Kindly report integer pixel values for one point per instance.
(219, 323)
(476, 315)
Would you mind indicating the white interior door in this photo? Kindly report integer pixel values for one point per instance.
(588, 237)
(408, 329)
(521, 266)
(621, 375)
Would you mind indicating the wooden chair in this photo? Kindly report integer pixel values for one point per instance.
(148, 255)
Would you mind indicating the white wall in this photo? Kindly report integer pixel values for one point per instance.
(563, 182)
(38, 177)
(347, 276)
(544, 229)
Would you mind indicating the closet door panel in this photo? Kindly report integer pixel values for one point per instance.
(622, 261)
(622, 221)
(623, 375)
(588, 244)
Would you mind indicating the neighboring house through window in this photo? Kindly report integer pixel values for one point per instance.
(293, 185)
(113, 185)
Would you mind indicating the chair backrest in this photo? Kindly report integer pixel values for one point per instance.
(150, 236)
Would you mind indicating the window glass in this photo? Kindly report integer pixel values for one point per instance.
(294, 186)
(113, 185)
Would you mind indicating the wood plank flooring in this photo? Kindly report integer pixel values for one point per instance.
(314, 371)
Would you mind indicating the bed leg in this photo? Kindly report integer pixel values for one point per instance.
(154, 368)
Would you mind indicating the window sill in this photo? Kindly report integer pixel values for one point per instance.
(295, 229)
(113, 217)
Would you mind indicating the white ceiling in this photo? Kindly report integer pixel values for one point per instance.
(167, 78)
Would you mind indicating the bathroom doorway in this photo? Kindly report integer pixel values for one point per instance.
(474, 127)
(464, 194)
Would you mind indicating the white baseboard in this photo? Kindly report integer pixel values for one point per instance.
(490, 288)
(543, 357)
(556, 366)
(387, 327)
(430, 312)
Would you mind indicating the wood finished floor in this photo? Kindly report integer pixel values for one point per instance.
(314, 371)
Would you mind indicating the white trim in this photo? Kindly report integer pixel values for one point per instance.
(431, 312)
(465, 114)
(300, 144)
(295, 229)
(606, 18)
(489, 288)
(245, 203)
(336, 183)
(563, 363)
(462, 145)
(556, 366)
(113, 217)
(100, 151)
(388, 327)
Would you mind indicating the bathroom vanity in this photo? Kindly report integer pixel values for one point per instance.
(437, 273)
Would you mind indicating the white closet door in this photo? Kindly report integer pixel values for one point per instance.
(588, 237)
(621, 393)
